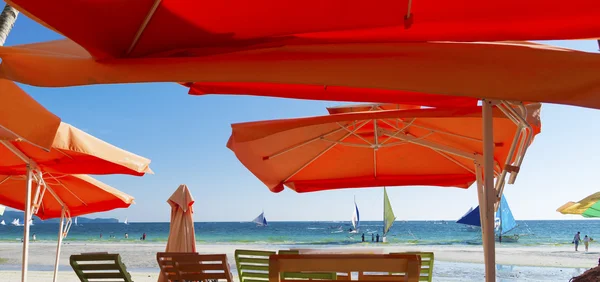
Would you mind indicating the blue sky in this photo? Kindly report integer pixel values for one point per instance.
(185, 137)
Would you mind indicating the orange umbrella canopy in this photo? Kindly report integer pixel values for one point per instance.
(399, 147)
(149, 27)
(22, 118)
(81, 194)
(507, 71)
(74, 152)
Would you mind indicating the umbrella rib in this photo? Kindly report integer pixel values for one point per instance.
(143, 26)
(68, 190)
(376, 146)
(352, 132)
(5, 179)
(398, 130)
(453, 160)
(434, 145)
(323, 152)
(320, 137)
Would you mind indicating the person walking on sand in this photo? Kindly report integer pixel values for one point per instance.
(576, 240)
(586, 242)
(363, 237)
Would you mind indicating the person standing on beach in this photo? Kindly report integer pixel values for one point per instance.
(576, 240)
(144, 236)
(377, 240)
(363, 237)
(586, 242)
(372, 237)
(126, 236)
(35, 238)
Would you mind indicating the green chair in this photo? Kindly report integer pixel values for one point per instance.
(305, 276)
(252, 265)
(91, 267)
(427, 259)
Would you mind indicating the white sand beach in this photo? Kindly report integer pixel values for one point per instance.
(453, 263)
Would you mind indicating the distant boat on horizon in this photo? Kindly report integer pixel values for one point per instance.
(126, 222)
(2, 223)
(261, 220)
(355, 219)
(16, 222)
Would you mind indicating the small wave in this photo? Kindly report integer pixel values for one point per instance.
(315, 228)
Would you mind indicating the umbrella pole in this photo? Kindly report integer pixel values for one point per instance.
(60, 238)
(26, 224)
(488, 194)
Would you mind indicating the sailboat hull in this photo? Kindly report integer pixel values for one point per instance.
(508, 238)
(384, 239)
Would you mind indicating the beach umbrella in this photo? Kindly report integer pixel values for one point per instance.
(587, 207)
(437, 147)
(168, 27)
(24, 119)
(182, 236)
(501, 70)
(72, 151)
(451, 147)
(64, 196)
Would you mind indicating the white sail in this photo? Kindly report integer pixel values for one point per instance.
(76, 221)
(355, 219)
(15, 222)
(2, 223)
(126, 222)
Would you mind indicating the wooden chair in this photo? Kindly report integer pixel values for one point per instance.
(427, 259)
(369, 267)
(202, 268)
(252, 265)
(305, 275)
(166, 263)
(91, 267)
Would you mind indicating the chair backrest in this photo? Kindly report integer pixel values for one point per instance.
(427, 259)
(202, 268)
(370, 267)
(91, 267)
(252, 265)
(166, 263)
(305, 275)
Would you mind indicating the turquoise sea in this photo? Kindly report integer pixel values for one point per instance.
(532, 233)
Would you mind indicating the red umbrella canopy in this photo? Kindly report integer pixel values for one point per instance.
(436, 147)
(146, 27)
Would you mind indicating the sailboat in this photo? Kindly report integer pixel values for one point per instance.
(75, 223)
(388, 215)
(468, 226)
(126, 222)
(261, 220)
(3, 223)
(16, 222)
(355, 219)
(503, 223)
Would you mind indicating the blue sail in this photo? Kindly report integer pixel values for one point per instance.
(504, 218)
(471, 218)
(260, 220)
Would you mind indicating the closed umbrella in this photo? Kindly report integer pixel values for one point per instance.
(182, 236)
(63, 196)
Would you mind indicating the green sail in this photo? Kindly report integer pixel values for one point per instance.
(388, 213)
